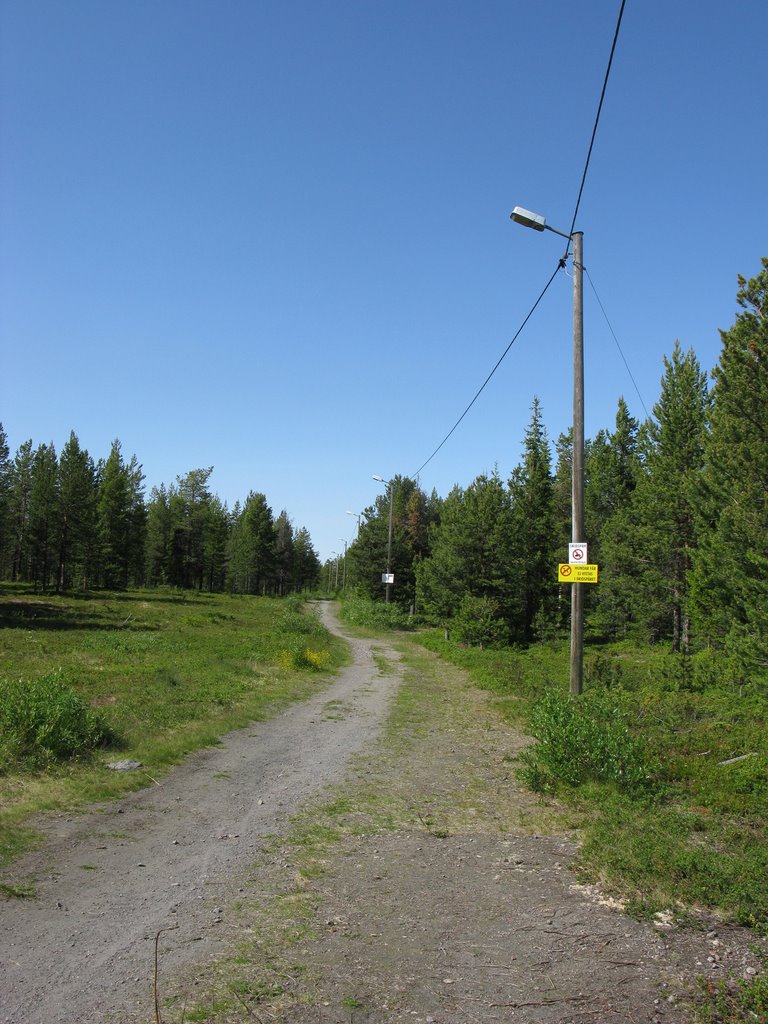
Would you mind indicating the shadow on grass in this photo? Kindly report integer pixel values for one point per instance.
(18, 613)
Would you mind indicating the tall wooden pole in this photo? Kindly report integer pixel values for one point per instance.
(577, 483)
(389, 538)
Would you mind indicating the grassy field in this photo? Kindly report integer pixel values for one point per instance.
(147, 676)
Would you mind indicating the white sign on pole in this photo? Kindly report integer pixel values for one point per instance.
(387, 577)
(577, 554)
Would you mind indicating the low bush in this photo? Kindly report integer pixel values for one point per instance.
(361, 611)
(585, 740)
(43, 721)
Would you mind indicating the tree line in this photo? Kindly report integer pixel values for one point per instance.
(676, 517)
(70, 522)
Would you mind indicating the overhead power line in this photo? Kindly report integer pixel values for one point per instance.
(480, 390)
(618, 346)
(597, 121)
(561, 264)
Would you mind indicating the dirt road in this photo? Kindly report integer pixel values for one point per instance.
(108, 880)
(421, 884)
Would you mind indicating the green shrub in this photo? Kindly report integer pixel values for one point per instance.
(584, 739)
(42, 721)
(361, 611)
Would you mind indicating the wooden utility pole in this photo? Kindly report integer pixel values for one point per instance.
(577, 468)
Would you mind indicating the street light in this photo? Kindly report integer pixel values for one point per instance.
(358, 516)
(389, 484)
(344, 572)
(538, 223)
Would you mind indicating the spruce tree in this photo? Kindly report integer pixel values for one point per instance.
(613, 469)
(649, 543)
(730, 579)
(534, 530)
(471, 555)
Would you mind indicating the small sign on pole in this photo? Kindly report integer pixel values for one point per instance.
(577, 554)
(569, 573)
(387, 577)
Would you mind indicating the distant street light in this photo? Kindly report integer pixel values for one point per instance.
(538, 223)
(358, 516)
(390, 485)
(344, 572)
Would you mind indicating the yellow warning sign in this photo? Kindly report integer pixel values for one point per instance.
(567, 573)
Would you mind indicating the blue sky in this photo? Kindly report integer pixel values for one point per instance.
(274, 237)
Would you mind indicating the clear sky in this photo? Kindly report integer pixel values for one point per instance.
(273, 236)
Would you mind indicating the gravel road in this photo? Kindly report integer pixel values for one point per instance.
(170, 856)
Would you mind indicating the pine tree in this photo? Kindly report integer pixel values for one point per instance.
(258, 544)
(306, 562)
(730, 579)
(6, 486)
(76, 526)
(158, 537)
(21, 486)
(189, 507)
(121, 520)
(284, 554)
(43, 516)
(215, 545)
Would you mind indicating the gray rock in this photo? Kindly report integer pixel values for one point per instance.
(125, 766)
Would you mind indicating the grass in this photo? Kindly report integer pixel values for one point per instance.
(665, 822)
(733, 1001)
(144, 675)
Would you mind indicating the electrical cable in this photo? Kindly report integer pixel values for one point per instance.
(562, 261)
(618, 346)
(480, 390)
(594, 128)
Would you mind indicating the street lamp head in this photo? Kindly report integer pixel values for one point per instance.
(533, 220)
(528, 219)
(379, 478)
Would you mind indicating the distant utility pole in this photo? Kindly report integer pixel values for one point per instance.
(391, 486)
